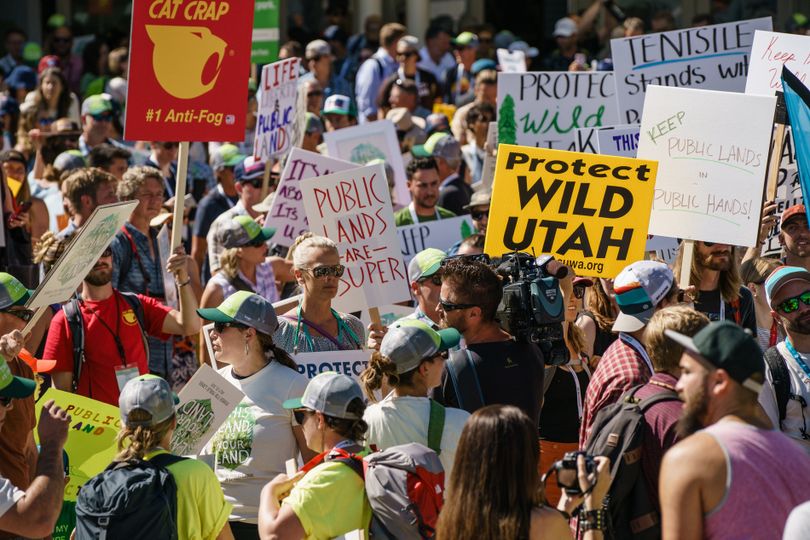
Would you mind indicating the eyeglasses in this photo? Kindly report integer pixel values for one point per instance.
(315, 93)
(22, 314)
(436, 279)
(790, 305)
(708, 244)
(323, 271)
(220, 327)
(301, 415)
(450, 306)
(579, 292)
(6, 401)
(478, 216)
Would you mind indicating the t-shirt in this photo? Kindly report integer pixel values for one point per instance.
(97, 379)
(797, 418)
(559, 419)
(16, 431)
(9, 495)
(256, 440)
(509, 372)
(330, 500)
(210, 207)
(403, 420)
(403, 216)
(202, 511)
(708, 302)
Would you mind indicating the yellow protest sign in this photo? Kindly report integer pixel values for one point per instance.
(91, 444)
(588, 210)
(446, 109)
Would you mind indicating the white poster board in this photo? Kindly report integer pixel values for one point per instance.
(277, 97)
(353, 208)
(164, 249)
(712, 150)
(618, 140)
(286, 212)
(442, 234)
(708, 57)
(205, 403)
(81, 254)
(351, 363)
(545, 108)
(772, 50)
(788, 193)
(511, 61)
(373, 140)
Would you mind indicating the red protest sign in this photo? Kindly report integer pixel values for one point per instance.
(189, 64)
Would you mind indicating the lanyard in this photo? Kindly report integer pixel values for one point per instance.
(419, 315)
(459, 78)
(576, 383)
(115, 335)
(796, 356)
(722, 309)
(228, 200)
(632, 342)
(414, 217)
(342, 326)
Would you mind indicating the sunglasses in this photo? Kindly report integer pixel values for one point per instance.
(301, 415)
(579, 292)
(436, 279)
(478, 216)
(450, 306)
(6, 401)
(315, 93)
(790, 305)
(22, 314)
(323, 271)
(220, 327)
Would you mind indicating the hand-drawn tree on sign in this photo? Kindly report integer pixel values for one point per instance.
(507, 128)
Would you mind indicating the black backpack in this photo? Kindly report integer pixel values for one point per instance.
(130, 499)
(618, 433)
(781, 380)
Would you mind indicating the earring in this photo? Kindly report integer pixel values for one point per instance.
(247, 348)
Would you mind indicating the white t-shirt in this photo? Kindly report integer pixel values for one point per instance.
(794, 421)
(9, 495)
(256, 440)
(403, 420)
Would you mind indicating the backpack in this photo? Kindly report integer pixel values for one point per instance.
(134, 499)
(618, 433)
(75, 321)
(781, 380)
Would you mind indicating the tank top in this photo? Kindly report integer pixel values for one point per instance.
(265, 285)
(603, 338)
(761, 489)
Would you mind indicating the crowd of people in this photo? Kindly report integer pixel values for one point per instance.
(675, 413)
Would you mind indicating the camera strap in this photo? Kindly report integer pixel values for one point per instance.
(632, 342)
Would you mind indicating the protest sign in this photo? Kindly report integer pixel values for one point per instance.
(711, 57)
(585, 140)
(589, 211)
(205, 403)
(165, 250)
(351, 363)
(184, 59)
(375, 140)
(788, 193)
(447, 109)
(264, 47)
(712, 149)
(618, 140)
(286, 212)
(545, 109)
(769, 52)
(442, 234)
(511, 61)
(490, 152)
(81, 254)
(353, 208)
(277, 96)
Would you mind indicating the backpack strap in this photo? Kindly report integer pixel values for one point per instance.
(165, 459)
(75, 321)
(465, 380)
(137, 307)
(781, 380)
(435, 426)
(658, 397)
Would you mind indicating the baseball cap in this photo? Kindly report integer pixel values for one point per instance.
(47, 61)
(248, 169)
(503, 39)
(241, 231)
(726, 346)
(408, 44)
(479, 198)
(797, 210)
(96, 104)
(227, 155)
(246, 308)
(335, 33)
(410, 341)
(13, 386)
(12, 292)
(151, 394)
(337, 104)
(22, 77)
(639, 287)
(482, 64)
(426, 263)
(329, 393)
(317, 48)
(530, 52)
(441, 145)
(69, 160)
(782, 276)
(466, 39)
(565, 27)
(32, 52)
(437, 122)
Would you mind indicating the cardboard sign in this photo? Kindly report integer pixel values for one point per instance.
(81, 254)
(264, 47)
(374, 140)
(590, 211)
(769, 52)
(353, 208)
(545, 109)
(712, 150)
(188, 69)
(351, 363)
(709, 57)
(277, 97)
(205, 403)
(169, 286)
(441, 234)
(618, 140)
(286, 212)
(91, 444)
(788, 193)
(511, 61)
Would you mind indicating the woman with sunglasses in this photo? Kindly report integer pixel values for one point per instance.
(259, 436)
(314, 326)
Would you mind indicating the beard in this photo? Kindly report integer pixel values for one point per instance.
(713, 261)
(99, 276)
(693, 410)
(799, 325)
(428, 201)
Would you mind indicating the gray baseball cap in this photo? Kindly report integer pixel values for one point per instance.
(151, 394)
(408, 342)
(440, 145)
(244, 307)
(329, 393)
(243, 230)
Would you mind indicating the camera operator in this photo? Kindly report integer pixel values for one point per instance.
(494, 367)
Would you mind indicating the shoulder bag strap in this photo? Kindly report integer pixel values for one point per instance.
(781, 380)
(435, 426)
(75, 321)
(136, 305)
(465, 380)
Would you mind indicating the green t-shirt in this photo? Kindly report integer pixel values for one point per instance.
(403, 216)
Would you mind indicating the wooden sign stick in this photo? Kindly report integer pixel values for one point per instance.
(266, 178)
(374, 315)
(686, 263)
(29, 326)
(777, 144)
(179, 195)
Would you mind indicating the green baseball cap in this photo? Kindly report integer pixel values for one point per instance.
(466, 39)
(410, 341)
(426, 263)
(96, 104)
(244, 307)
(329, 393)
(14, 387)
(12, 292)
(243, 230)
(227, 155)
(439, 144)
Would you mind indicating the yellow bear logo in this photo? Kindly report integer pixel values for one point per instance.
(180, 56)
(129, 317)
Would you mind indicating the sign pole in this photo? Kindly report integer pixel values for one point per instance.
(179, 195)
(374, 315)
(686, 263)
(32, 322)
(266, 178)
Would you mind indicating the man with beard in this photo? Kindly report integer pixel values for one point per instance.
(423, 183)
(720, 294)
(732, 476)
(115, 348)
(794, 237)
(787, 379)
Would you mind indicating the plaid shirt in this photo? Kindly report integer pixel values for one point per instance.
(620, 369)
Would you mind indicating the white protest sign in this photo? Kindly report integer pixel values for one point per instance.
(164, 249)
(772, 50)
(788, 193)
(545, 109)
(708, 57)
(276, 98)
(491, 152)
(286, 212)
(712, 149)
(366, 142)
(82, 253)
(205, 403)
(618, 140)
(511, 61)
(353, 208)
(206, 330)
(442, 234)
(351, 363)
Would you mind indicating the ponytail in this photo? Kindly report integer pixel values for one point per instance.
(141, 439)
(273, 352)
(379, 368)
